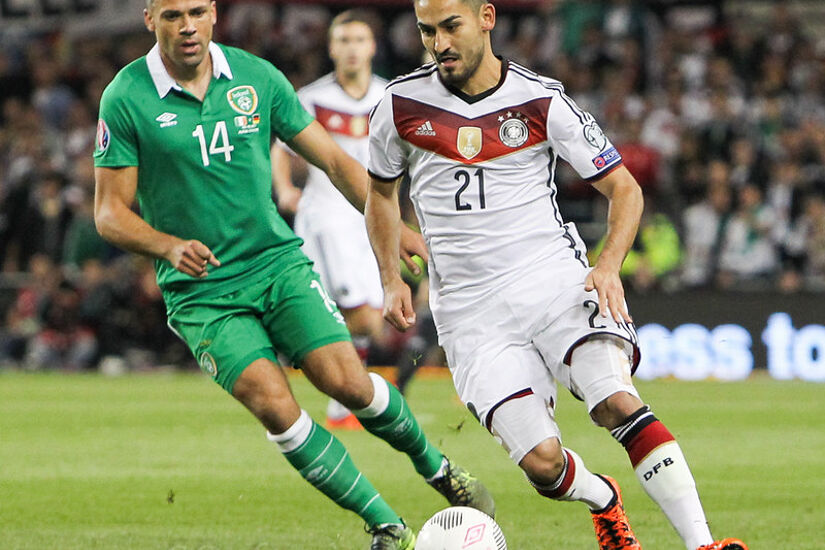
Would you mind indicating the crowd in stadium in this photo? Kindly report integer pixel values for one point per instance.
(720, 119)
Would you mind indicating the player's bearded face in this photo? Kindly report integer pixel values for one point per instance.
(183, 29)
(451, 33)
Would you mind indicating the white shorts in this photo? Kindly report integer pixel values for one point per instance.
(520, 344)
(343, 258)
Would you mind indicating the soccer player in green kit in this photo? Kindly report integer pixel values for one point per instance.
(186, 130)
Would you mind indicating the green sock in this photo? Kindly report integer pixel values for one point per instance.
(324, 462)
(397, 426)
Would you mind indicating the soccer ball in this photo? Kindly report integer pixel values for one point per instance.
(461, 528)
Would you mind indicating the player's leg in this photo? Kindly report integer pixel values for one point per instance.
(234, 349)
(340, 249)
(318, 455)
(383, 411)
(366, 325)
(526, 429)
(309, 328)
(594, 358)
(600, 371)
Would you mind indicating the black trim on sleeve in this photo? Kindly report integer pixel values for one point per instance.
(384, 178)
(600, 175)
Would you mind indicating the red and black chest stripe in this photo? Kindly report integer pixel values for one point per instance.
(471, 140)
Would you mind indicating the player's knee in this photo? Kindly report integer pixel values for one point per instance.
(614, 410)
(354, 391)
(600, 374)
(336, 370)
(272, 404)
(544, 463)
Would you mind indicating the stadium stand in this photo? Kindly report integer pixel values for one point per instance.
(718, 108)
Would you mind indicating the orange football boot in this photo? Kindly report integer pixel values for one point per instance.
(349, 422)
(725, 544)
(611, 524)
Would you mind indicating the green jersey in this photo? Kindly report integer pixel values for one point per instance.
(204, 166)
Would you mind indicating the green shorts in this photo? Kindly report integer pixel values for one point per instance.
(288, 313)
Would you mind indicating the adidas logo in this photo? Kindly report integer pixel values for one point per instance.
(425, 129)
(167, 119)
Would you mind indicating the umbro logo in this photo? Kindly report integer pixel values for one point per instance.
(167, 119)
(425, 129)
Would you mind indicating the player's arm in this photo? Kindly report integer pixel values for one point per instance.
(346, 174)
(286, 191)
(383, 217)
(115, 190)
(350, 177)
(624, 212)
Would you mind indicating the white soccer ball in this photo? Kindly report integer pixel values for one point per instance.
(460, 528)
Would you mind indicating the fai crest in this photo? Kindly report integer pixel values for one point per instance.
(513, 132)
(243, 99)
(469, 141)
(207, 364)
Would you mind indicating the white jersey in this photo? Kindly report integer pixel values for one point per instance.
(481, 172)
(347, 121)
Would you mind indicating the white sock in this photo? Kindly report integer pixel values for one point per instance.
(577, 483)
(295, 435)
(380, 398)
(442, 471)
(666, 478)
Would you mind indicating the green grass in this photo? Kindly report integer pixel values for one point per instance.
(167, 461)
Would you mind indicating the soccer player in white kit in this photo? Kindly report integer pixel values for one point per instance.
(334, 234)
(515, 302)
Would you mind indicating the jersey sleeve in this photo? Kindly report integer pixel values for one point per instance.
(576, 136)
(388, 160)
(116, 144)
(287, 114)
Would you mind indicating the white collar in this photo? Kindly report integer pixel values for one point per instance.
(164, 82)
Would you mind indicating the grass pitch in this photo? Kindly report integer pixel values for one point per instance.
(168, 461)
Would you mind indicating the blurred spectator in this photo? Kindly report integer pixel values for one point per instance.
(51, 97)
(642, 160)
(64, 340)
(804, 248)
(717, 134)
(47, 217)
(662, 128)
(704, 225)
(783, 196)
(748, 257)
(745, 164)
(22, 320)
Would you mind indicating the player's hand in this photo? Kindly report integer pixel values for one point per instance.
(398, 308)
(288, 199)
(412, 244)
(608, 286)
(191, 257)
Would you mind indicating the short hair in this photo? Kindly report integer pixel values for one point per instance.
(355, 15)
(475, 5)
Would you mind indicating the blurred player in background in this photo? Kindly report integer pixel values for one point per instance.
(517, 307)
(333, 231)
(186, 130)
